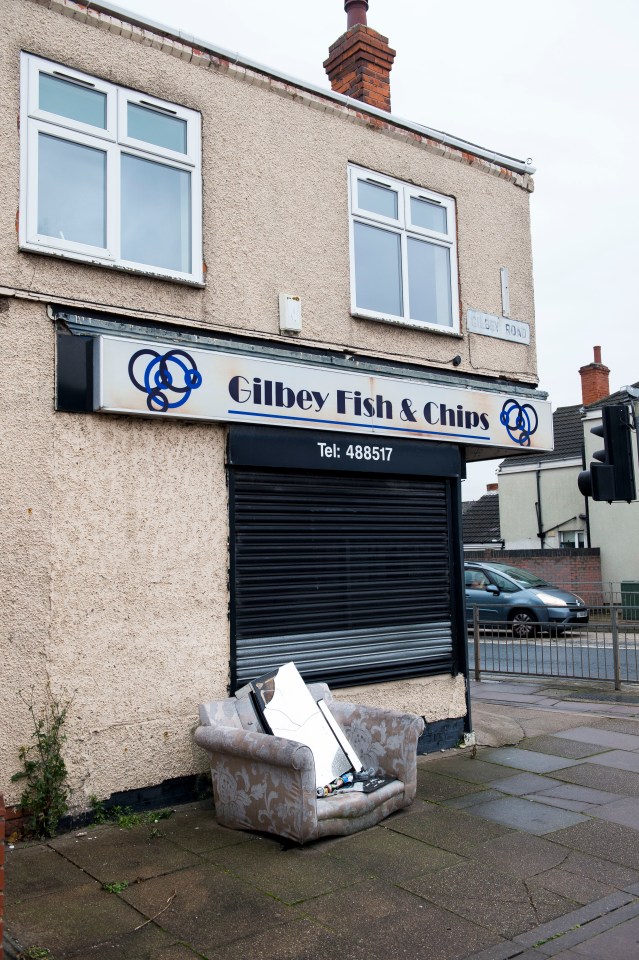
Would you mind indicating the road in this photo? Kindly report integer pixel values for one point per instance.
(587, 656)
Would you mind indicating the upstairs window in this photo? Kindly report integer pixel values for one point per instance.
(403, 252)
(109, 175)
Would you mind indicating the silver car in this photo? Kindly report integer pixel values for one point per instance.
(526, 602)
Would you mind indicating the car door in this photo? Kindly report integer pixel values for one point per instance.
(476, 581)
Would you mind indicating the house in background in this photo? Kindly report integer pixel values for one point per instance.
(480, 521)
(540, 505)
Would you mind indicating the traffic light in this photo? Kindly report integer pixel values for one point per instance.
(613, 476)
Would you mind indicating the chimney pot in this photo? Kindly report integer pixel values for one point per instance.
(597, 354)
(356, 10)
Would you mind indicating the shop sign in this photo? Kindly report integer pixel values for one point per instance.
(157, 380)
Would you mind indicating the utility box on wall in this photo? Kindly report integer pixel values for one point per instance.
(290, 313)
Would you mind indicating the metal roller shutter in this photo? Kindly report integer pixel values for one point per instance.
(347, 575)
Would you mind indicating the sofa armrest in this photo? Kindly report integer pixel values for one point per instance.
(383, 739)
(250, 745)
(261, 782)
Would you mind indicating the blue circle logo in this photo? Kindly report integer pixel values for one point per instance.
(168, 379)
(520, 421)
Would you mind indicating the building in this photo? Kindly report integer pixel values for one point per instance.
(540, 504)
(480, 521)
(253, 330)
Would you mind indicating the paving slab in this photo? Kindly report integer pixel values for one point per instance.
(521, 855)
(499, 901)
(505, 696)
(625, 812)
(610, 841)
(522, 783)
(149, 943)
(597, 708)
(436, 788)
(288, 874)
(586, 865)
(37, 869)
(207, 907)
(618, 725)
(576, 798)
(526, 815)
(469, 769)
(574, 805)
(623, 782)
(69, 921)
(472, 799)
(527, 760)
(561, 747)
(392, 922)
(303, 939)
(605, 738)
(494, 687)
(111, 854)
(572, 791)
(619, 759)
(197, 830)
(388, 855)
(454, 830)
(573, 887)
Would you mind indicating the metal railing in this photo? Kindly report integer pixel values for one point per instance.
(606, 648)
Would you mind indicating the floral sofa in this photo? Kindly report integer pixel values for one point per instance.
(267, 783)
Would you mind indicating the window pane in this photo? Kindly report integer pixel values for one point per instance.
(380, 200)
(154, 127)
(72, 101)
(71, 191)
(378, 270)
(430, 216)
(156, 214)
(429, 282)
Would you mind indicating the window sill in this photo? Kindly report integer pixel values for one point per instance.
(410, 324)
(149, 272)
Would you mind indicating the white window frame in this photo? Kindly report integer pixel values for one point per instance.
(113, 142)
(579, 535)
(405, 229)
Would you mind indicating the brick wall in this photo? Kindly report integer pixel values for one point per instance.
(575, 570)
(1, 875)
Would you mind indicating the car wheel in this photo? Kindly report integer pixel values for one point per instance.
(523, 625)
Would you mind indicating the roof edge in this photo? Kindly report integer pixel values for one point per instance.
(144, 23)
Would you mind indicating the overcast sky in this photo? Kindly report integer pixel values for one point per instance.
(556, 81)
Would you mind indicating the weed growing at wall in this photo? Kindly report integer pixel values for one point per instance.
(46, 792)
(124, 816)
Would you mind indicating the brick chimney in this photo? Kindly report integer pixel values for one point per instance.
(360, 61)
(594, 380)
(492, 487)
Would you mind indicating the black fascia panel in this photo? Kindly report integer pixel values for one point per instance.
(257, 446)
(74, 373)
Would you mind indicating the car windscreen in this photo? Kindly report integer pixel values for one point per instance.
(525, 577)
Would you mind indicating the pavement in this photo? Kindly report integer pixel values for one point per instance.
(526, 846)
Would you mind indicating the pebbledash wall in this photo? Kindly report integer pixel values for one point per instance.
(119, 530)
